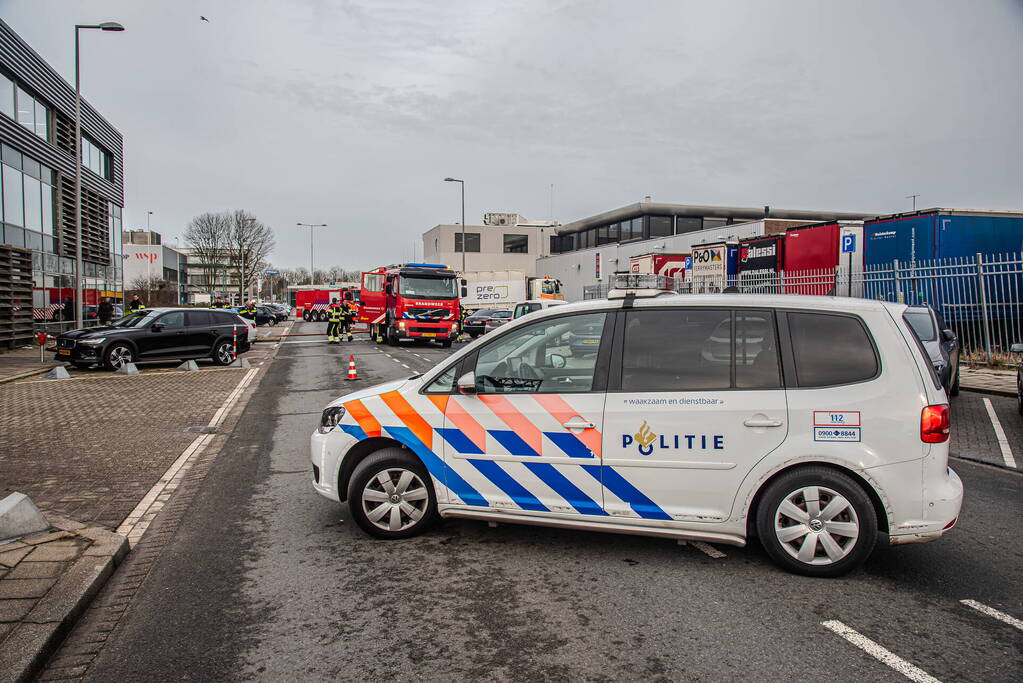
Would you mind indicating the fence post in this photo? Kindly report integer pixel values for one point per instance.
(983, 308)
(898, 282)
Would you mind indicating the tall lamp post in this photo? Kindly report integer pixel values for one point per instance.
(312, 279)
(149, 249)
(462, 183)
(79, 303)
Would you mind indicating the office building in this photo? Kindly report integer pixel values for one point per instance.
(506, 241)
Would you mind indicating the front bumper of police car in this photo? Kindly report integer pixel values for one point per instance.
(328, 446)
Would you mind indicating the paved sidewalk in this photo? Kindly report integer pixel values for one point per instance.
(24, 362)
(46, 580)
(988, 380)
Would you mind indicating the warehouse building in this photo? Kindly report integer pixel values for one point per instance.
(584, 253)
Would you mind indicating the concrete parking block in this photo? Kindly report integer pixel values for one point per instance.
(127, 369)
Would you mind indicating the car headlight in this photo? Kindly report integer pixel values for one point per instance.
(330, 418)
(454, 327)
(92, 342)
(401, 326)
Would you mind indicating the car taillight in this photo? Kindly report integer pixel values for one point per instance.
(934, 424)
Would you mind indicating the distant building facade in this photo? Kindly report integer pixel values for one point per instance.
(505, 242)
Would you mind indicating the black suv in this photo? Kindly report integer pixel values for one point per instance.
(157, 334)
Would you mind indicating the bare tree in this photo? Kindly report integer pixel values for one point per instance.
(154, 291)
(249, 242)
(207, 235)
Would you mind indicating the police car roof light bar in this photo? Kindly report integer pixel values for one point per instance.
(640, 285)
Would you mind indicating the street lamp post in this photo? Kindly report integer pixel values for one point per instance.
(312, 279)
(149, 260)
(462, 183)
(105, 26)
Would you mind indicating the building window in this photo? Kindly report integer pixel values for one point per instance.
(14, 199)
(660, 226)
(516, 244)
(633, 229)
(23, 108)
(607, 234)
(472, 242)
(95, 158)
(684, 224)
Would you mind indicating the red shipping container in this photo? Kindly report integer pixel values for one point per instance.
(811, 255)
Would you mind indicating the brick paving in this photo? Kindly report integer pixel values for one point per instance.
(89, 448)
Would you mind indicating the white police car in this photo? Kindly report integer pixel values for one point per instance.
(815, 424)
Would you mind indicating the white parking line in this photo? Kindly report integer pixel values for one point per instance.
(136, 523)
(1003, 443)
(708, 549)
(992, 612)
(879, 653)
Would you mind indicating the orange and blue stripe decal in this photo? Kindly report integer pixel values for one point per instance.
(571, 444)
(409, 416)
(560, 410)
(459, 441)
(619, 485)
(519, 423)
(504, 481)
(468, 425)
(513, 443)
(561, 485)
(365, 418)
(438, 468)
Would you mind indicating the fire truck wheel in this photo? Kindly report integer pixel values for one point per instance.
(323, 316)
(446, 343)
(307, 316)
(392, 336)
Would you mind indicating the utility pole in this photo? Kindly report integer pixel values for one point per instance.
(913, 197)
(462, 183)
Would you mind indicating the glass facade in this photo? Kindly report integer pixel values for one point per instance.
(19, 105)
(95, 158)
(641, 227)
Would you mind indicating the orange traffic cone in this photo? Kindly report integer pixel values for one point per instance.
(351, 368)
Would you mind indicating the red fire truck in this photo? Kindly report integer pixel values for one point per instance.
(311, 304)
(410, 301)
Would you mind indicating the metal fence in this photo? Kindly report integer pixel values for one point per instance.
(979, 297)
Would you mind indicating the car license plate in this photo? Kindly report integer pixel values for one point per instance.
(64, 352)
(429, 334)
(591, 341)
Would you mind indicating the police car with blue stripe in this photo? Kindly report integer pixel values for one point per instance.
(814, 424)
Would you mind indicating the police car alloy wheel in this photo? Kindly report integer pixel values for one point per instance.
(391, 495)
(817, 521)
(119, 355)
(224, 353)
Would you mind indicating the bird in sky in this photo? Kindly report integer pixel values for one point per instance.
(204, 19)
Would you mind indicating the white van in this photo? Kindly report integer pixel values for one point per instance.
(813, 423)
(533, 305)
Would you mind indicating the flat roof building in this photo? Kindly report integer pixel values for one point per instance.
(37, 151)
(506, 242)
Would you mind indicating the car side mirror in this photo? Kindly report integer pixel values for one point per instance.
(555, 360)
(949, 335)
(157, 327)
(467, 383)
(465, 290)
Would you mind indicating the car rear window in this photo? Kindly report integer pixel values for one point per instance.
(221, 318)
(831, 349)
(920, 347)
(922, 323)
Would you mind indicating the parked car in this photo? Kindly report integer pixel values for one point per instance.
(585, 340)
(496, 319)
(475, 323)
(92, 312)
(281, 312)
(527, 307)
(1018, 348)
(157, 334)
(941, 343)
(833, 437)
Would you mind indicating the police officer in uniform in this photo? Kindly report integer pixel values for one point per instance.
(218, 303)
(248, 311)
(136, 304)
(335, 316)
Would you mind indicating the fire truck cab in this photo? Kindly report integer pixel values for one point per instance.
(410, 301)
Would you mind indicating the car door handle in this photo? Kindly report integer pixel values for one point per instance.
(577, 423)
(762, 423)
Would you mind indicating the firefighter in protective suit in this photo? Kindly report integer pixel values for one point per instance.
(335, 317)
(349, 319)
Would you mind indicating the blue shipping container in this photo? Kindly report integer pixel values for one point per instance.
(940, 235)
(960, 236)
(907, 239)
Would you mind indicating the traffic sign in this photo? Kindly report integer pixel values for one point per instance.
(848, 243)
(271, 272)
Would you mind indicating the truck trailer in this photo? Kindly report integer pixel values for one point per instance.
(504, 288)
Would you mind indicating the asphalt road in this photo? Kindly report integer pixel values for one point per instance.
(265, 579)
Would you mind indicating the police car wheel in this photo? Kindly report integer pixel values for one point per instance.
(391, 495)
(117, 356)
(817, 521)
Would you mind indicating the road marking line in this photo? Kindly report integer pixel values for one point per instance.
(138, 520)
(708, 549)
(992, 612)
(879, 653)
(1003, 443)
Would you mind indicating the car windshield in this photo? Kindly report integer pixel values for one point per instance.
(922, 324)
(140, 319)
(428, 287)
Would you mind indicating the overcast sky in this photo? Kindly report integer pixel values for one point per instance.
(352, 112)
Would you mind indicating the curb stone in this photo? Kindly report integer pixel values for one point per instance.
(38, 635)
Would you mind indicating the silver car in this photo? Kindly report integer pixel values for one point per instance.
(496, 319)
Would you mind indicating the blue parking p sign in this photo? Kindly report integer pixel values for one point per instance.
(848, 243)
